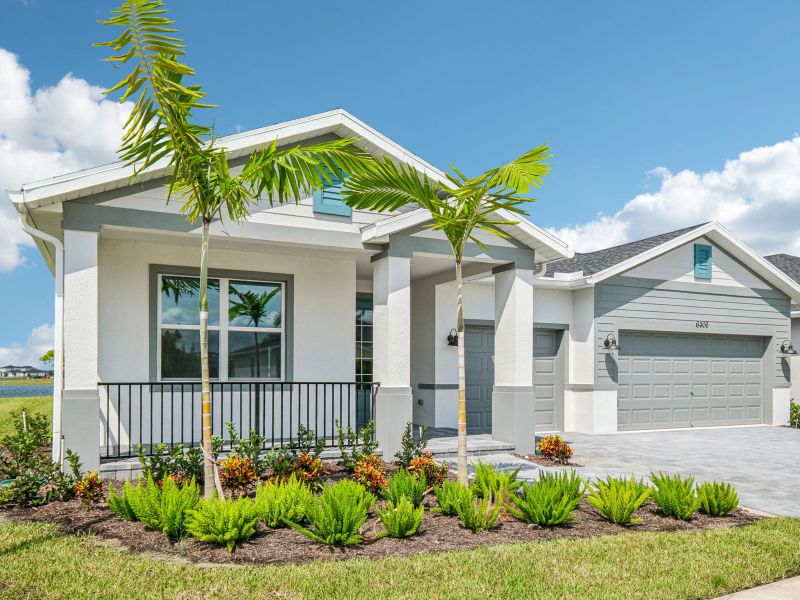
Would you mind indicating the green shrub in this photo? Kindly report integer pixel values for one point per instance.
(405, 485)
(543, 503)
(449, 496)
(183, 464)
(617, 498)
(282, 501)
(338, 514)
(163, 509)
(121, 505)
(489, 480)
(354, 445)
(401, 519)
(410, 448)
(794, 414)
(717, 499)
(478, 514)
(223, 521)
(568, 484)
(675, 495)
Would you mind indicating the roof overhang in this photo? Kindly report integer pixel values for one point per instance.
(547, 246)
(117, 175)
(714, 232)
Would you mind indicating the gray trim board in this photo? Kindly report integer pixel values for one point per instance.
(437, 386)
(406, 246)
(479, 322)
(153, 292)
(590, 387)
(90, 217)
(693, 287)
(562, 326)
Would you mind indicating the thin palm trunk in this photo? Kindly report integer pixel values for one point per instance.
(461, 470)
(208, 467)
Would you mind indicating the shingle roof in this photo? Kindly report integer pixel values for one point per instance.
(790, 265)
(594, 262)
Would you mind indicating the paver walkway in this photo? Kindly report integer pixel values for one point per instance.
(763, 463)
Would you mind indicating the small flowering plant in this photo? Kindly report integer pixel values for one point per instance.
(554, 448)
(426, 466)
(370, 473)
(237, 474)
(89, 488)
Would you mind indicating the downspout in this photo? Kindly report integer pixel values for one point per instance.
(58, 346)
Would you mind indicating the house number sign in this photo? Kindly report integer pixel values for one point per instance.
(701, 324)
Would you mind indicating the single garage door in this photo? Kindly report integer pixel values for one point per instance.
(677, 380)
(548, 384)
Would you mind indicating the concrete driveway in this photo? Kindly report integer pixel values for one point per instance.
(763, 463)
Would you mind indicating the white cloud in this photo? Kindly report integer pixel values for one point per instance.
(47, 132)
(756, 196)
(39, 341)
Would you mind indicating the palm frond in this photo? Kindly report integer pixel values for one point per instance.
(520, 174)
(390, 186)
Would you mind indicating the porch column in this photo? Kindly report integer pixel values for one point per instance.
(80, 412)
(391, 289)
(513, 415)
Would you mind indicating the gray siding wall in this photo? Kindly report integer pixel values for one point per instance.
(629, 303)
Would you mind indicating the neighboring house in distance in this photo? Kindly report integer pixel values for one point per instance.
(683, 329)
(30, 372)
(791, 266)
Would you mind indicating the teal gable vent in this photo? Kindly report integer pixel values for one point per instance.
(702, 261)
(329, 200)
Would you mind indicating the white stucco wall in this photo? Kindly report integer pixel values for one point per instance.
(324, 306)
(581, 338)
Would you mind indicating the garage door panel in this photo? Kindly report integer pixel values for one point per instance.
(687, 380)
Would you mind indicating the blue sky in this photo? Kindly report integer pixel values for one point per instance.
(618, 89)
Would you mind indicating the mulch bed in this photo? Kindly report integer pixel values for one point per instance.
(281, 546)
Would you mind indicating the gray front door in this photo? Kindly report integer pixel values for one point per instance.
(686, 380)
(548, 383)
(478, 351)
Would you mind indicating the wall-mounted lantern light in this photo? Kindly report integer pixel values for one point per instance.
(787, 348)
(452, 339)
(610, 343)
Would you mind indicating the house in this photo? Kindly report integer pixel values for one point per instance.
(684, 329)
(30, 372)
(791, 266)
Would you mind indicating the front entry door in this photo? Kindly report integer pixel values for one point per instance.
(478, 350)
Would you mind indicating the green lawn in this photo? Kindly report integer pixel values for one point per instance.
(36, 562)
(24, 381)
(39, 404)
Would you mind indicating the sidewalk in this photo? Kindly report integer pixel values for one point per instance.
(787, 589)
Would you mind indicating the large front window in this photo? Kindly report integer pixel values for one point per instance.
(245, 341)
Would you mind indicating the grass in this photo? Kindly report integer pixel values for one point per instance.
(24, 381)
(37, 562)
(38, 404)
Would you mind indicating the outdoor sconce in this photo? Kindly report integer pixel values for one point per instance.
(610, 343)
(787, 348)
(452, 339)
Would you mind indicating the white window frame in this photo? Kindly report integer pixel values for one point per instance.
(224, 327)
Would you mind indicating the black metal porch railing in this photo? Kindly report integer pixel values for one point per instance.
(153, 413)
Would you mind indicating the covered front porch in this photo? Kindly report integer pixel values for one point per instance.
(346, 336)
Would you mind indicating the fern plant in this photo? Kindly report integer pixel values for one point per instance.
(675, 495)
(406, 485)
(478, 514)
(282, 501)
(163, 509)
(618, 498)
(717, 499)
(543, 503)
(121, 505)
(569, 484)
(489, 480)
(401, 519)
(449, 496)
(223, 522)
(337, 515)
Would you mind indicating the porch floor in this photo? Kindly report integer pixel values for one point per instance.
(443, 443)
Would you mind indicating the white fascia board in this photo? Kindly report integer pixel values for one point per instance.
(380, 231)
(89, 181)
(726, 241)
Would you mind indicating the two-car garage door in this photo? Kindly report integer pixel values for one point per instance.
(687, 380)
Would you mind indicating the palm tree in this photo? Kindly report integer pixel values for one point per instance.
(162, 132)
(459, 207)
